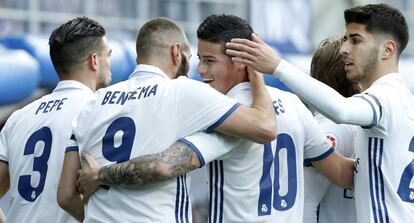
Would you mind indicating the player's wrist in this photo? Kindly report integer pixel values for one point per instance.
(99, 177)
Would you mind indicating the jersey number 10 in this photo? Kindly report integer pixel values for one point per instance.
(280, 202)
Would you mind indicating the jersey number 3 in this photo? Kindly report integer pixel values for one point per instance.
(280, 202)
(25, 188)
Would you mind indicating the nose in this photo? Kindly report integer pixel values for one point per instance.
(344, 49)
(201, 68)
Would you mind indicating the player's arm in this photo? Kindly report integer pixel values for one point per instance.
(177, 160)
(2, 216)
(69, 198)
(361, 111)
(4, 178)
(337, 168)
(256, 123)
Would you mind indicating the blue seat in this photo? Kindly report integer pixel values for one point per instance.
(121, 62)
(38, 47)
(19, 76)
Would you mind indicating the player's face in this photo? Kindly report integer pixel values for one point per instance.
(360, 53)
(216, 68)
(104, 73)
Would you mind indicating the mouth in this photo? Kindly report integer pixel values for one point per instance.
(348, 64)
(208, 80)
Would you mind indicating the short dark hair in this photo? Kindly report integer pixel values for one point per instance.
(381, 19)
(73, 41)
(156, 33)
(327, 66)
(222, 28)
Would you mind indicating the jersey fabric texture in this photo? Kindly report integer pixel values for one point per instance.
(140, 116)
(385, 153)
(252, 182)
(32, 143)
(335, 204)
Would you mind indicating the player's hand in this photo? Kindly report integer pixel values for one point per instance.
(256, 54)
(88, 176)
(254, 76)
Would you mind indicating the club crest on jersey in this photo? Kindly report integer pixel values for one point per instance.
(332, 140)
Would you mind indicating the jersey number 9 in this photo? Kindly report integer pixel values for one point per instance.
(121, 153)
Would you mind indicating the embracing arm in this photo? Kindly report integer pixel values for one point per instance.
(337, 168)
(4, 178)
(2, 217)
(68, 196)
(177, 160)
(256, 123)
(261, 57)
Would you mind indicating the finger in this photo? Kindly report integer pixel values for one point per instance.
(256, 39)
(240, 54)
(245, 42)
(85, 197)
(87, 159)
(242, 61)
(242, 47)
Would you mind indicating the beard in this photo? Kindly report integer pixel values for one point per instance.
(371, 63)
(184, 67)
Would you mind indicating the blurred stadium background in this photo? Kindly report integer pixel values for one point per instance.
(294, 27)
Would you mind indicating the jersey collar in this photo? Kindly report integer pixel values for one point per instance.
(147, 70)
(234, 91)
(387, 78)
(71, 84)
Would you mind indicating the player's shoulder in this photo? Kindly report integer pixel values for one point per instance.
(281, 94)
(185, 81)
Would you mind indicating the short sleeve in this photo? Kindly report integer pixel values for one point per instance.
(3, 147)
(342, 138)
(209, 147)
(201, 107)
(72, 144)
(317, 145)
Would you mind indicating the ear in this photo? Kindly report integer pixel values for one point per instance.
(176, 54)
(93, 61)
(239, 66)
(389, 49)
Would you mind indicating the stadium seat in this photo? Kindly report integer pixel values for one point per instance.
(38, 48)
(19, 76)
(121, 65)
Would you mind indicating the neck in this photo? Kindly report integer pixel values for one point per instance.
(82, 78)
(168, 69)
(382, 69)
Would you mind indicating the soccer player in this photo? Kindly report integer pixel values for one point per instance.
(335, 204)
(375, 37)
(32, 141)
(249, 182)
(148, 113)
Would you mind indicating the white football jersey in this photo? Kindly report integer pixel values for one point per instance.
(384, 189)
(252, 182)
(33, 144)
(335, 204)
(144, 115)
